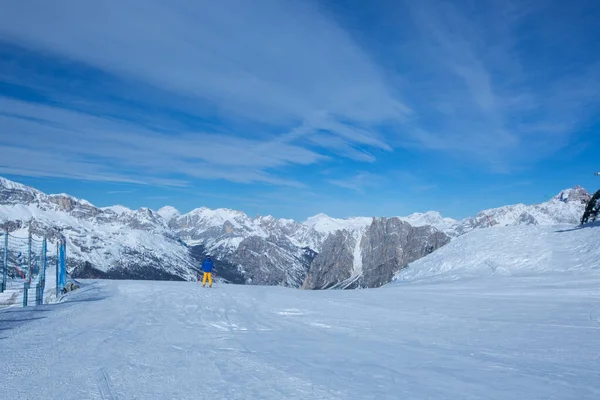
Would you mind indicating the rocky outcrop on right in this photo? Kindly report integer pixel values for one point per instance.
(390, 244)
(385, 247)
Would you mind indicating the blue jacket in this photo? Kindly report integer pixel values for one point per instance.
(207, 265)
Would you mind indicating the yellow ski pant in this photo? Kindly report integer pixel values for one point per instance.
(209, 276)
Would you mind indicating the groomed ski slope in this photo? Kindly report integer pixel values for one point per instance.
(533, 334)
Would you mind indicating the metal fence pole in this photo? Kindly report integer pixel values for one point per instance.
(29, 259)
(57, 265)
(43, 267)
(45, 256)
(63, 270)
(5, 261)
(25, 293)
(62, 263)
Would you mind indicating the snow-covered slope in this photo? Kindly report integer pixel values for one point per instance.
(511, 250)
(512, 337)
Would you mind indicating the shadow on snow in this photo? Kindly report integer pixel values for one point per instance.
(11, 318)
(579, 227)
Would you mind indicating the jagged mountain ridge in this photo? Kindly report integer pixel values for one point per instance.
(564, 208)
(112, 242)
(119, 242)
(371, 258)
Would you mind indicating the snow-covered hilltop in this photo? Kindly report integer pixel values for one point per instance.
(522, 250)
(565, 208)
(118, 242)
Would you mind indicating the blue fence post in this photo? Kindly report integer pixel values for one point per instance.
(62, 276)
(63, 270)
(25, 293)
(57, 263)
(43, 268)
(5, 261)
(29, 259)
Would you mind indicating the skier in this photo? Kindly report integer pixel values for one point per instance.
(207, 267)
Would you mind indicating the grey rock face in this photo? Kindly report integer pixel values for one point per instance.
(12, 196)
(335, 262)
(385, 247)
(390, 244)
(270, 261)
(14, 193)
(576, 194)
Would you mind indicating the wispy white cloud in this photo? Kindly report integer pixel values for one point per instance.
(288, 87)
(283, 65)
(42, 140)
(360, 183)
(266, 60)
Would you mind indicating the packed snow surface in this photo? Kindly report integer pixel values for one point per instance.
(501, 313)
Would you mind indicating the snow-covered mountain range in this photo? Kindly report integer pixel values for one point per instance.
(565, 208)
(117, 242)
(102, 242)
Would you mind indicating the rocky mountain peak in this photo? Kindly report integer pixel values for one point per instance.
(576, 194)
(69, 203)
(6, 184)
(16, 193)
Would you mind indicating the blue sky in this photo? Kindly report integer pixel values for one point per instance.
(292, 108)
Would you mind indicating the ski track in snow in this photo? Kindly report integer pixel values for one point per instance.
(496, 338)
